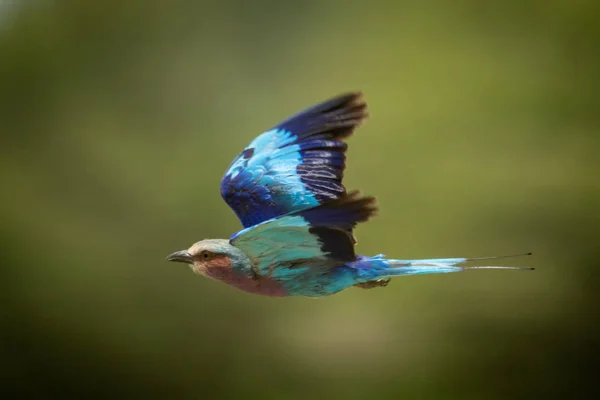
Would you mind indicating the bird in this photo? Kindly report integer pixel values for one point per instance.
(298, 218)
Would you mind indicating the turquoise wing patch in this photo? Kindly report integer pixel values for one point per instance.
(287, 247)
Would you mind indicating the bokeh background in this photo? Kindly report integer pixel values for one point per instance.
(118, 119)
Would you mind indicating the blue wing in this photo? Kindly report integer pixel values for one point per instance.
(313, 239)
(299, 164)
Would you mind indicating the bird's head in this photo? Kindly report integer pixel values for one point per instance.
(210, 256)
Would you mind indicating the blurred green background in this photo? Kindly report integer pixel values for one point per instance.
(118, 119)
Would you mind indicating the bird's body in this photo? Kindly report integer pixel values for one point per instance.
(286, 189)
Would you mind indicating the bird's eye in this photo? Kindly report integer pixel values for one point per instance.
(206, 255)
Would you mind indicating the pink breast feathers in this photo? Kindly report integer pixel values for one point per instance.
(220, 269)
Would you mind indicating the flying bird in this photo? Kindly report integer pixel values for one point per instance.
(286, 189)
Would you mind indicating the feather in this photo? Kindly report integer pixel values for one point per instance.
(316, 238)
(299, 164)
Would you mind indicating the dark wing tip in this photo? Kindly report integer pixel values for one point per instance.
(345, 212)
(336, 117)
(352, 98)
(350, 111)
(336, 243)
(365, 206)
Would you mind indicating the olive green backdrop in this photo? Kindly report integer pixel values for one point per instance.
(118, 119)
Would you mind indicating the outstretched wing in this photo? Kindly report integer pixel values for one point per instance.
(298, 164)
(317, 238)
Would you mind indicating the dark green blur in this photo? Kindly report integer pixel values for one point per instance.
(118, 119)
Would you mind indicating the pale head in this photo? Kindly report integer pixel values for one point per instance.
(211, 256)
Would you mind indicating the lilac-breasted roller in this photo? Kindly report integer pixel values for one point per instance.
(286, 189)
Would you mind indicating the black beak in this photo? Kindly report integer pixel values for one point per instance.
(181, 256)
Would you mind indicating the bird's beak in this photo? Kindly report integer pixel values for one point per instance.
(181, 256)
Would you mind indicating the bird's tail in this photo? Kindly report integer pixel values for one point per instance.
(388, 268)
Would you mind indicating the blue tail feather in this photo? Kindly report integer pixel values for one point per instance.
(381, 267)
